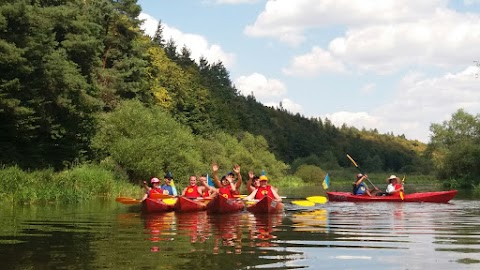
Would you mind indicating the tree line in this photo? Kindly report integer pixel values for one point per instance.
(80, 82)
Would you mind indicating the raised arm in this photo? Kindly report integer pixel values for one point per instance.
(215, 175)
(236, 169)
(249, 181)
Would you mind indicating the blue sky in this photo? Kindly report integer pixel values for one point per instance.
(397, 66)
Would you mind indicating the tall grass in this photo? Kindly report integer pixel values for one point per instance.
(77, 184)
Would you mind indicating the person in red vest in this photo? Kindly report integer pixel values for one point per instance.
(155, 188)
(394, 188)
(208, 191)
(193, 190)
(226, 186)
(264, 190)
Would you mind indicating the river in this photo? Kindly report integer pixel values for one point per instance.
(107, 235)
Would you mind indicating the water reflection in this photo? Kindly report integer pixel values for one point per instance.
(331, 236)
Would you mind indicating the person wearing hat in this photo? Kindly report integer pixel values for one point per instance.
(154, 188)
(231, 178)
(167, 188)
(264, 190)
(394, 187)
(360, 188)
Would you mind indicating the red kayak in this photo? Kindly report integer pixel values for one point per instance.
(155, 206)
(221, 205)
(434, 197)
(266, 205)
(185, 204)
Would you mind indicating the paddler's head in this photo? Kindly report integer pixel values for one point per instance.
(193, 180)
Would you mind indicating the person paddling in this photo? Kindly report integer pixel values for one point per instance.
(360, 188)
(264, 190)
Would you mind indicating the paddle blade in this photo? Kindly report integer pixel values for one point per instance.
(170, 201)
(353, 161)
(239, 196)
(401, 195)
(303, 203)
(317, 199)
(126, 200)
(251, 202)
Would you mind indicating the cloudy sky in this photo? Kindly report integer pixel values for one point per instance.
(393, 65)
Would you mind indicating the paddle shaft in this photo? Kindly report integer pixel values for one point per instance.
(360, 170)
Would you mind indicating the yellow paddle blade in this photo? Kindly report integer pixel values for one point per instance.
(317, 199)
(251, 202)
(401, 195)
(170, 201)
(303, 203)
(239, 196)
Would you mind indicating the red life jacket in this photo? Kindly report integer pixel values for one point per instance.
(192, 192)
(155, 190)
(226, 192)
(264, 191)
(206, 193)
(397, 187)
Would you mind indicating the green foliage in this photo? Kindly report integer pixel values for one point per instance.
(310, 173)
(147, 142)
(288, 181)
(455, 148)
(74, 185)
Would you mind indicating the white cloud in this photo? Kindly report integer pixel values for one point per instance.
(313, 63)
(287, 20)
(418, 103)
(286, 104)
(197, 44)
(261, 87)
(389, 47)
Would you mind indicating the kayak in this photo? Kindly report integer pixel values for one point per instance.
(221, 205)
(265, 206)
(185, 204)
(156, 206)
(434, 197)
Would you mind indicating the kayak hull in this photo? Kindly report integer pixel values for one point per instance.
(221, 205)
(155, 206)
(266, 205)
(185, 204)
(433, 197)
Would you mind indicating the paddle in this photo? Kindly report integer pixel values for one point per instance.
(401, 192)
(356, 165)
(304, 203)
(317, 199)
(161, 196)
(126, 200)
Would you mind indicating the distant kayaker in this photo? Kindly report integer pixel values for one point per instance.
(253, 182)
(394, 187)
(360, 188)
(167, 187)
(154, 188)
(264, 190)
(193, 190)
(226, 186)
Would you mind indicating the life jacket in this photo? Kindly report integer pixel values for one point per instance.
(154, 190)
(360, 189)
(264, 191)
(192, 192)
(206, 193)
(397, 187)
(226, 192)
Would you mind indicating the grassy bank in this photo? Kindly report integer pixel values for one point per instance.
(74, 185)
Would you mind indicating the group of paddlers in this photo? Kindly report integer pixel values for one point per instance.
(227, 186)
(394, 188)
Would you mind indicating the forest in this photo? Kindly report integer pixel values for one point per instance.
(82, 86)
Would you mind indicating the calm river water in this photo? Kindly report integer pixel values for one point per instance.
(109, 235)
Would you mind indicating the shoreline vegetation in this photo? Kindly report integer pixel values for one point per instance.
(92, 106)
(88, 181)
